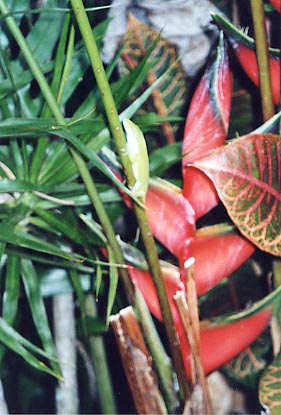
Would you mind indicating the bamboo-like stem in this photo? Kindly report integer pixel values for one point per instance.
(257, 7)
(117, 132)
(105, 223)
(97, 350)
(104, 87)
(161, 361)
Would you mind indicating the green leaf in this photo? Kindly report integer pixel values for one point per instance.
(38, 311)
(270, 388)
(113, 283)
(12, 289)
(77, 285)
(270, 300)
(22, 239)
(246, 174)
(13, 340)
(59, 222)
(55, 281)
(163, 158)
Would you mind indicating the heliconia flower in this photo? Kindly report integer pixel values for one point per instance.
(206, 129)
(216, 257)
(170, 215)
(171, 277)
(244, 48)
(220, 344)
(276, 4)
(210, 268)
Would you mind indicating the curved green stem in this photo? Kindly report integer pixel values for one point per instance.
(148, 239)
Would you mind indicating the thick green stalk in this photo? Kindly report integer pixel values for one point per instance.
(117, 132)
(261, 43)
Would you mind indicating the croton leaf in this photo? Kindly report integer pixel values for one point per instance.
(169, 98)
(247, 176)
(269, 388)
(248, 365)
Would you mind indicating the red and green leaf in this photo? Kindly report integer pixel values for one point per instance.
(247, 176)
(206, 128)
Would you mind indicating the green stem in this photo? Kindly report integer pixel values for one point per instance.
(104, 87)
(32, 63)
(104, 221)
(97, 350)
(148, 239)
(261, 43)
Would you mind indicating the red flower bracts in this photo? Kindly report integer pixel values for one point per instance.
(276, 4)
(171, 217)
(218, 345)
(248, 60)
(216, 257)
(171, 276)
(206, 129)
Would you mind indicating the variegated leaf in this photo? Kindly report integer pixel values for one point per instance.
(170, 97)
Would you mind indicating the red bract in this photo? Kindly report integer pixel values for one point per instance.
(205, 129)
(171, 216)
(209, 269)
(222, 343)
(171, 276)
(276, 4)
(248, 60)
(216, 257)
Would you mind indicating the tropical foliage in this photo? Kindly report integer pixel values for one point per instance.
(89, 229)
